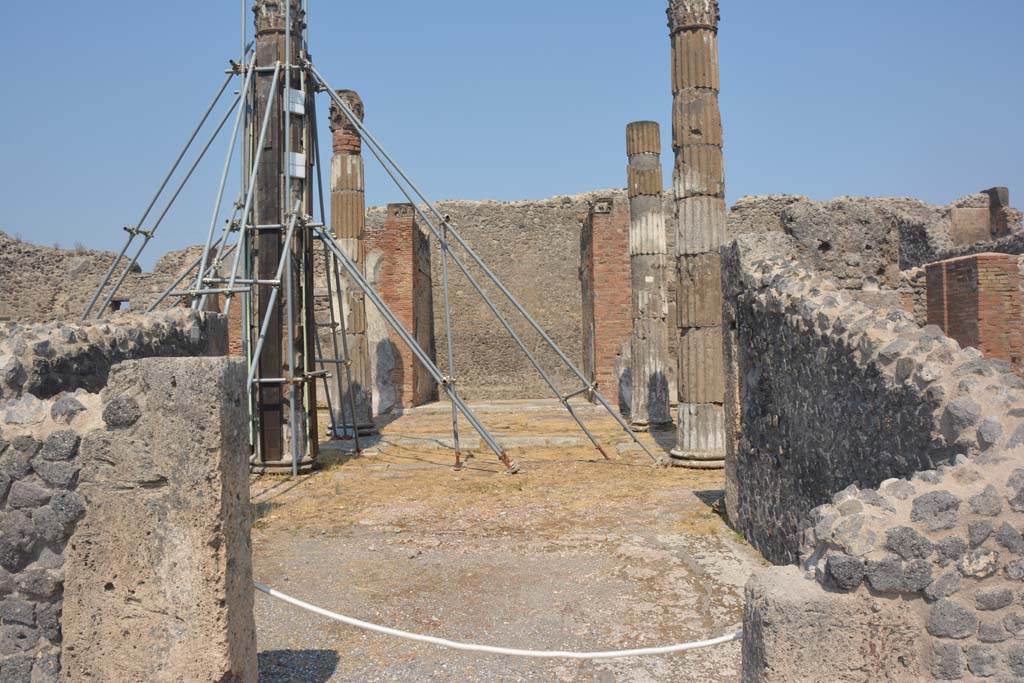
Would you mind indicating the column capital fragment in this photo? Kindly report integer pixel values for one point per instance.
(271, 16)
(693, 14)
(338, 120)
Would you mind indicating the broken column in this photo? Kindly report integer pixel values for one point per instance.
(699, 185)
(348, 218)
(648, 253)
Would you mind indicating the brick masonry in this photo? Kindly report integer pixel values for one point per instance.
(606, 277)
(977, 301)
(398, 263)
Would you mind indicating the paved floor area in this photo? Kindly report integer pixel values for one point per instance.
(572, 553)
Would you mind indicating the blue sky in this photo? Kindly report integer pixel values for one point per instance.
(514, 100)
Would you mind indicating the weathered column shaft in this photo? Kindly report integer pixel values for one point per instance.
(699, 185)
(288, 133)
(648, 252)
(348, 222)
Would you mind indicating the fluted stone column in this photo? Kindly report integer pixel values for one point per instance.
(348, 219)
(699, 184)
(648, 253)
(283, 438)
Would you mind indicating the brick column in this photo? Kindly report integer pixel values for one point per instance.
(606, 285)
(404, 284)
(348, 219)
(699, 185)
(977, 300)
(648, 251)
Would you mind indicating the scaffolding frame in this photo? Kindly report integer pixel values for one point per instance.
(299, 230)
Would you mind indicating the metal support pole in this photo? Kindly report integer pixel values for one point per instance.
(149, 234)
(382, 155)
(448, 337)
(347, 357)
(255, 170)
(152, 202)
(258, 349)
(293, 406)
(327, 389)
(198, 304)
(421, 355)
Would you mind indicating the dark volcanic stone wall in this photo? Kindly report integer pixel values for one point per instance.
(825, 392)
(46, 359)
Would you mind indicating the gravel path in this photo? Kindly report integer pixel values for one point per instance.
(572, 554)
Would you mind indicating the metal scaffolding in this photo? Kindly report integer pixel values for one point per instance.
(270, 243)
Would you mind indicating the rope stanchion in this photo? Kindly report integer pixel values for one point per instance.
(488, 649)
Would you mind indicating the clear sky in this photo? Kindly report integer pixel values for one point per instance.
(482, 100)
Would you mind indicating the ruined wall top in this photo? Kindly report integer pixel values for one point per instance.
(338, 120)
(691, 14)
(270, 16)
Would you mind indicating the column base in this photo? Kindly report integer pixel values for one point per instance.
(698, 460)
(648, 426)
(282, 467)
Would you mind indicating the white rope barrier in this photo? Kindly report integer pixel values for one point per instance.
(472, 647)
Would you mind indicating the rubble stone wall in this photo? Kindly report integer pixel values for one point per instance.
(825, 392)
(46, 359)
(888, 465)
(44, 284)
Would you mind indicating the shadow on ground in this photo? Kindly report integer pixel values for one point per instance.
(297, 666)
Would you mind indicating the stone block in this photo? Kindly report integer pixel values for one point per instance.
(791, 624)
(969, 226)
(180, 572)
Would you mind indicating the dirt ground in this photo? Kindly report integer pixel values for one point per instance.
(572, 553)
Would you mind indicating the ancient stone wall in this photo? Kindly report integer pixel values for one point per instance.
(867, 240)
(44, 284)
(534, 247)
(68, 453)
(913, 450)
(914, 294)
(825, 391)
(46, 359)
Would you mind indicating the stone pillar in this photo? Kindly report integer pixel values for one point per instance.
(348, 220)
(648, 253)
(605, 284)
(402, 278)
(158, 573)
(699, 184)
